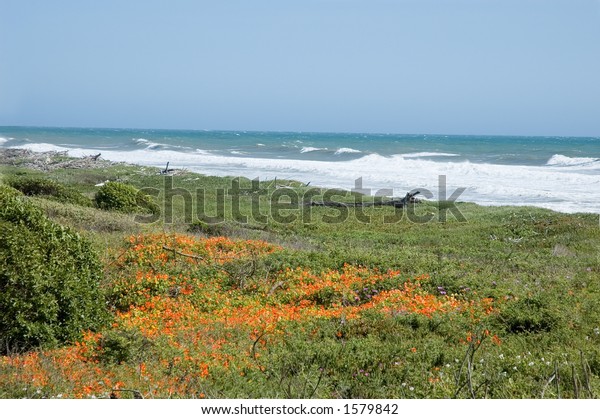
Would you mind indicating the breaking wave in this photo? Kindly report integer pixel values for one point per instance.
(554, 185)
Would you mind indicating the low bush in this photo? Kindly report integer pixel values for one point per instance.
(123, 346)
(49, 279)
(48, 188)
(210, 230)
(530, 315)
(116, 196)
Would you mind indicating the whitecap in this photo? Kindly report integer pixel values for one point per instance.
(311, 149)
(343, 150)
(150, 144)
(561, 160)
(427, 154)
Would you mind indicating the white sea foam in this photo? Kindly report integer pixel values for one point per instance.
(148, 144)
(552, 186)
(560, 160)
(141, 141)
(3, 140)
(343, 150)
(43, 147)
(427, 154)
(311, 149)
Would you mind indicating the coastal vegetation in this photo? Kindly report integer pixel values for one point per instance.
(119, 196)
(49, 279)
(237, 288)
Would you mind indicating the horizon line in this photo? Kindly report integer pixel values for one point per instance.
(298, 131)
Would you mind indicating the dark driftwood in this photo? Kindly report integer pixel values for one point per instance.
(167, 170)
(409, 198)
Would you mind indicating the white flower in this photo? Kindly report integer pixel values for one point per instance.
(531, 364)
(403, 384)
(501, 356)
(411, 388)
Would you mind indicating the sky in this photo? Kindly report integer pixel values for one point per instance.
(497, 67)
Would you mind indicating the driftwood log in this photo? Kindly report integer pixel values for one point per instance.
(409, 198)
(166, 171)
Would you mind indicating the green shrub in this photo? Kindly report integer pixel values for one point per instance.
(49, 279)
(50, 189)
(206, 228)
(530, 315)
(118, 196)
(123, 346)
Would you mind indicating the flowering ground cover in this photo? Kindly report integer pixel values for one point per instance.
(504, 305)
(185, 319)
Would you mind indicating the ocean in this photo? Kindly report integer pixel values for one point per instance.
(559, 173)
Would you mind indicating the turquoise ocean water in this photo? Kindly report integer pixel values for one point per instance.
(560, 173)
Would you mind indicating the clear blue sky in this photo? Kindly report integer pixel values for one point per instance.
(529, 67)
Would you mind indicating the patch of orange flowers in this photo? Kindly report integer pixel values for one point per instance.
(172, 290)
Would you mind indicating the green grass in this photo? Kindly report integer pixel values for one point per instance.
(542, 265)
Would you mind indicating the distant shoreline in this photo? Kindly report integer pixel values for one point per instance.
(47, 161)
